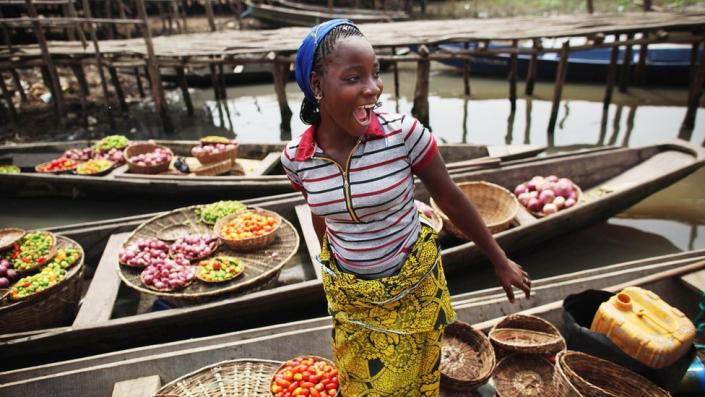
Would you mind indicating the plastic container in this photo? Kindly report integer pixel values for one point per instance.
(645, 327)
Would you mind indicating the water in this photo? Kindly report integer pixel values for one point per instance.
(669, 221)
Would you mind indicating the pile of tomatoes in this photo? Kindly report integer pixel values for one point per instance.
(248, 224)
(58, 165)
(305, 376)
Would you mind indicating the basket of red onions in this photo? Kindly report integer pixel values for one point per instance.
(544, 196)
(214, 149)
(148, 158)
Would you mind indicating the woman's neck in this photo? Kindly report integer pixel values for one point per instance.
(334, 141)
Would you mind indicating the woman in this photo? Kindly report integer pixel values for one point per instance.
(382, 266)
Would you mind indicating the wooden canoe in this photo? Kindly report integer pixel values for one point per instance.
(96, 375)
(264, 175)
(286, 14)
(632, 174)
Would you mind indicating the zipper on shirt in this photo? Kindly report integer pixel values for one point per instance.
(346, 179)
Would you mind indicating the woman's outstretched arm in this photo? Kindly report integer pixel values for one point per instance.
(463, 213)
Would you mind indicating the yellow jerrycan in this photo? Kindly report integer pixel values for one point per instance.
(645, 327)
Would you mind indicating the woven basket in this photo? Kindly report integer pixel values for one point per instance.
(578, 196)
(521, 333)
(218, 157)
(215, 168)
(524, 375)
(54, 307)
(316, 358)
(9, 236)
(585, 375)
(467, 358)
(496, 205)
(141, 148)
(262, 267)
(248, 244)
(242, 378)
(50, 254)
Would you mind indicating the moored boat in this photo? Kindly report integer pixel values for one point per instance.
(97, 375)
(628, 174)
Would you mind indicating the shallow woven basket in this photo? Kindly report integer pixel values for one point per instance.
(578, 196)
(222, 156)
(585, 375)
(467, 358)
(215, 168)
(247, 244)
(262, 267)
(54, 307)
(145, 147)
(521, 333)
(317, 358)
(496, 205)
(524, 375)
(242, 378)
(50, 254)
(9, 236)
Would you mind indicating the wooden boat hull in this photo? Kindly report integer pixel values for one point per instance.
(97, 375)
(642, 172)
(269, 178)
(280, 15)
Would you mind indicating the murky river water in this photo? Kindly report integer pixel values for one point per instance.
(669, 221)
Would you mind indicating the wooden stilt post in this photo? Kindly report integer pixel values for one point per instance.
(626, 65)
(616, 124)
(162, 19)
(110, 29)
(99, 63)
(224, 95)
(280, 70)
(209, 13)
(533, 66)
(466, 104)
(640, 74)
(118, 89)
(558, 89)
(77, 28)
(396, 75)
(46, 56)
(630, 125)
(153, 66)
(8, 98)
(513, 75)
(603, 126)
(466, 71)
(182, 9)
(420, 108)
(611, 77)
(83, 91)
(696, 90)
(181, 75)
(128, 28)
(693, 60)
(138, 79)
(18, 84)
(216, 92)
(174, 7)
(5, 33)
(647, 5)
(527, 126)
(70, 33)
(590, 8)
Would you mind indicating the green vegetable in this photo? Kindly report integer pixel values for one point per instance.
(211, 213)
(35, 283)
(111, 142)
(9, 169)
(215, 139)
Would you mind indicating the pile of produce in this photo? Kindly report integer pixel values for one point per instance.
(248, 224)
(212, 148)
(65, 258)
(94, 167)
(158, 156)
(111, 142)
(84, 154)
(30, 285)
(547, 195)
(195, 246)
(117, 156)
(7, 273)
(305, 376)
(32, 251)
(9, 169)
(58, 165)
(143, 253)
(218, 269)
(211, 213)
(168, 274)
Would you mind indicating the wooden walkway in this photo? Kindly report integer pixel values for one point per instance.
(246, 45)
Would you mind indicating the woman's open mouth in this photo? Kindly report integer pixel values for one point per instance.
(363, 114)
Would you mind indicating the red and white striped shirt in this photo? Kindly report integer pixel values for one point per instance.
(368, 203)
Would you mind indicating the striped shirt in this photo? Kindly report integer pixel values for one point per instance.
(368, 203)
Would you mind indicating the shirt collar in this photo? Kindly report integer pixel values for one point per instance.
(307, 144)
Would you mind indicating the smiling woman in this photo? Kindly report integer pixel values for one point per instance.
(382, 271)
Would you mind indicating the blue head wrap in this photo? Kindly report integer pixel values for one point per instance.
(307, 52)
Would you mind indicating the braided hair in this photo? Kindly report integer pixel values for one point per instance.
(310, 112)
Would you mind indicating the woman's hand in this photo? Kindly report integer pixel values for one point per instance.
(509, 274)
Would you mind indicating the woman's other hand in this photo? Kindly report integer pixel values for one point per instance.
(511, 274)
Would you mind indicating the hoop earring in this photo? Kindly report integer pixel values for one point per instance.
(318, 98)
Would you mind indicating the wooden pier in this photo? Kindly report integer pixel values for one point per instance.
(216, 50)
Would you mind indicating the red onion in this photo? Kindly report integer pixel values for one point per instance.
(524, 198)
(559, 202)
(564, 188)
(569, 203)
(552, 178)
(520, 188)
(4, 282)
(549, 209)
(534, 204)
(547, 196)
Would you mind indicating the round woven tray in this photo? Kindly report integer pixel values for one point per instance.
(247, 244)
(497, 206)
(216, 158)
(242, 378)
(261, 267)
(585, 375)
(53, 307)
(467, 358)
(521, 333)
(145, 147)
(9, 236)
(524, 375)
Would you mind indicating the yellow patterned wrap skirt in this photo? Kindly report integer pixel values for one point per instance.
(387, 332)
